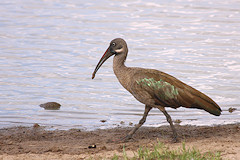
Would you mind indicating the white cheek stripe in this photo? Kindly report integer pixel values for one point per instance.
(119, 50)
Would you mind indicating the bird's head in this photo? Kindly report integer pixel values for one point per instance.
(117, 46)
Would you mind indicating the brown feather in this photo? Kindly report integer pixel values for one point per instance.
(188, 96)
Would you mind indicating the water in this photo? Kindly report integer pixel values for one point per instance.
(49, 49)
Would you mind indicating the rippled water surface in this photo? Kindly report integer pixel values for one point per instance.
(49, 48)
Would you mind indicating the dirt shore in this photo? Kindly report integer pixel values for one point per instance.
(38, 143)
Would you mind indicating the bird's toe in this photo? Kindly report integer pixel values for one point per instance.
(126, 138)
(175, 140)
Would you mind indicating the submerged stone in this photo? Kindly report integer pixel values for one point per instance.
(50, 106)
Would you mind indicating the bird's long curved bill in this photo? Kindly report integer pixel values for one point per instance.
(105, 56)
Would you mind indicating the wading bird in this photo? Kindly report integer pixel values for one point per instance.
(154, 88)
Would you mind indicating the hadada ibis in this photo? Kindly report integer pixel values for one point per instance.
(154, 88)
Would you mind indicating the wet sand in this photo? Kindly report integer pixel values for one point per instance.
(37, 143)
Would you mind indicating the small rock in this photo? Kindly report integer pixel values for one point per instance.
(103, 121)
(130, 123)
(92, 146)
(230, 110)
(50, 106)
(122, 122)
(55, 149)
(9, 142)
(36, 125)
(177, 121)
(104, 148)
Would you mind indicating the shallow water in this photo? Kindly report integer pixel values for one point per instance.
(49, 49)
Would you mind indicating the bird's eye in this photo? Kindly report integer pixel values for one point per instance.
(113, 44)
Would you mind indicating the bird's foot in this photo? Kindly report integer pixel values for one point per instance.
(123, 139)
(175, 139)
(126, 138)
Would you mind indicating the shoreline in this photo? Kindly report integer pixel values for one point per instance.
(36, 142)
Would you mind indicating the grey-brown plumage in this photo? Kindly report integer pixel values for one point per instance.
(154, 88)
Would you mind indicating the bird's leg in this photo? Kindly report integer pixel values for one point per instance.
(141, 122)
(169, 119)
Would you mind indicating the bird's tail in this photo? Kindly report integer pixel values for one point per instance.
(202, 101)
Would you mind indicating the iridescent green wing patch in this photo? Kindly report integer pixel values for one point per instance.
(164, 89)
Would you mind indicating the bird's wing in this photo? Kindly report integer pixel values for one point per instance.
(158, 87)
(168, 91)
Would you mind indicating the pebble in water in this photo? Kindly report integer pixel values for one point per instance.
(50, 106)
(230, 110)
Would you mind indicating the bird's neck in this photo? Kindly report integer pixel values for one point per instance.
(120, 70)
(119, 63)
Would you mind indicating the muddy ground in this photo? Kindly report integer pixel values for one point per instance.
(38, 143)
